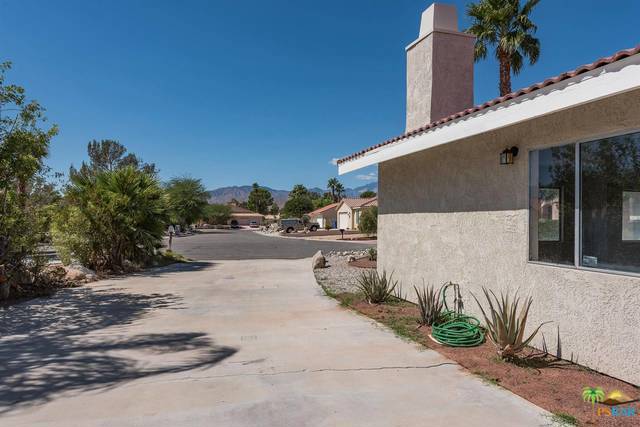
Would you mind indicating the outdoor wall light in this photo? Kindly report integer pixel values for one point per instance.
(507, 156)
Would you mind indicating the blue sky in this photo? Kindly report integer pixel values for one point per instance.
(240, 91)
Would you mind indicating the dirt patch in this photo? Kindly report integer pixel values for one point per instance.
(364, 263)
(553, 384)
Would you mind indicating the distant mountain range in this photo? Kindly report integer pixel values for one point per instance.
(241, 193)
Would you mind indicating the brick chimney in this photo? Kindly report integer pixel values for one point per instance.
(439, 68)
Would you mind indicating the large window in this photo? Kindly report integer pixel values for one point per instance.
(553, 205)
(608, 183)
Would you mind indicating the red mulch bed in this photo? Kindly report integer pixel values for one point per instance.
(363, 263)
(553, 384)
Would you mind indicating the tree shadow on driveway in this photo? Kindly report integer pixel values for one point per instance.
(54, 346)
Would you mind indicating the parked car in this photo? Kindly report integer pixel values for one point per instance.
(290, 225)
(254, 224)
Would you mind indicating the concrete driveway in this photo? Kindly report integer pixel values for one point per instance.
(247, 244)
(232, 343)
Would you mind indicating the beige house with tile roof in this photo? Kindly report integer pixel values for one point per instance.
(349, 211)
(537, 191)
(242, 217)
(326, 215)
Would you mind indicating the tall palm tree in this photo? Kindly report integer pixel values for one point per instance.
(336, 188)
(507, 26)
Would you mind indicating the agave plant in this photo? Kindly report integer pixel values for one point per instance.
(377, 289)
(430, 304)
(593, 395)
(505, 326)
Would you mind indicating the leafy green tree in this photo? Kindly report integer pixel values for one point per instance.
(369, 220)
(299, 190)
(336, 188)
(259, 199)
(507, 26)
(274, 210)
(23, 146)
(297, 206)
(322, 201)
(217, 214)
(109, 155)
(367, 194)
(186, 200)
(110, 218)
(299, 202)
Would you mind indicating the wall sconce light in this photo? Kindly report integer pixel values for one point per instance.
(507, 156)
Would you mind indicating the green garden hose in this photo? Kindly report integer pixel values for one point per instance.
(456, 329)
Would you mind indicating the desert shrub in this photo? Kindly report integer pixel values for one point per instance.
(372, 253)
(430, 304)
(71, 234)
(112, 217)
(505, 324)
(377, 289)
(24, 143)
(369, 220)
(217, 214)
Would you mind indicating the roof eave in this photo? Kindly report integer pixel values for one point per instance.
(603, 82)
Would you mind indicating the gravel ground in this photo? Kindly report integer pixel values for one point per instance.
(339, 276)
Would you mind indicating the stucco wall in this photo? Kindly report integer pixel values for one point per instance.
(453, 213)
(439, 79)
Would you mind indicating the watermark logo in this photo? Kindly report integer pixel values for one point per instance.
(593, 395)
(613, 404)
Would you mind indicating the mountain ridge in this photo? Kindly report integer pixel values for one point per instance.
(223, 195)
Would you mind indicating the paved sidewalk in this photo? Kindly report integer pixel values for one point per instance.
(232, 343)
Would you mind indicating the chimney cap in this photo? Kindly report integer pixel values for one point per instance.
(438, 17)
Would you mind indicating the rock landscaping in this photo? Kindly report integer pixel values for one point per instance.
(338, 276)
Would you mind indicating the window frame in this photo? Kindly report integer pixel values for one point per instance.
(577, 258)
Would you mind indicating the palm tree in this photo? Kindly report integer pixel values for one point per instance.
(593, 395)
(508, 27)
(336, 188)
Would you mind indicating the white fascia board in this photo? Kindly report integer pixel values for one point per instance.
(612, 79)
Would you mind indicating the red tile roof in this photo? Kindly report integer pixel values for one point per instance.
(324, 209)
(564, 76)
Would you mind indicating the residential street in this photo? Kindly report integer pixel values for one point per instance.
(248, 244)
(228, 343)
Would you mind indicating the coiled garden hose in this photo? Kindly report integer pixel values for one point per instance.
(456, 329)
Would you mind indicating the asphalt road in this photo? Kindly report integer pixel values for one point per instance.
(246, 244)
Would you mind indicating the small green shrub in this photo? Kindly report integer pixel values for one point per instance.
(369, 221)
(377, 289)
(430, 304)
(110, 219)
(372, 253)
(563, 419)
(505, 327)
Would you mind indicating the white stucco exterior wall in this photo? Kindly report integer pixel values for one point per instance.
(452, 213)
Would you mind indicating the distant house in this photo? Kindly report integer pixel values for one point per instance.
(537, 191)
(349, 211)
(326, 215)
(242, 217)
